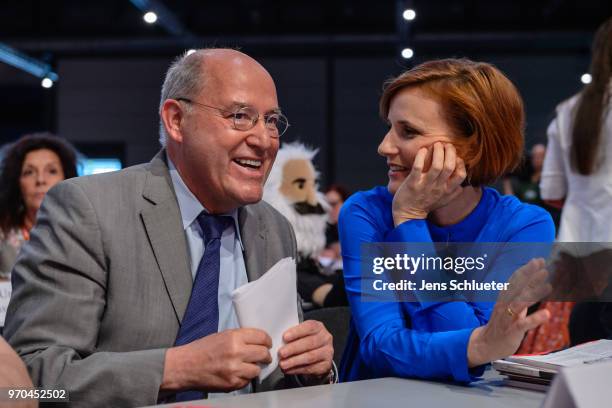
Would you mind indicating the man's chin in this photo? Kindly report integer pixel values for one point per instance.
(250, 196)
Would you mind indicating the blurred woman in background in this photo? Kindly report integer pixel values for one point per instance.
(577, 176)
(578, 167)
(330, 257)
(30, 167)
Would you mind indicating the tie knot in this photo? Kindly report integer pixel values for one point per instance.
(213, 225)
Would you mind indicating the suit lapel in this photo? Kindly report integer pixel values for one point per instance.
(162, 221)
(253, 233)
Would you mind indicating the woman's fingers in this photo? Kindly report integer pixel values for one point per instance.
(520, 278)
(533, 320)
(450, 163)
(437, 163)
(460, 173)
(434, 179)
(418, 165)
(447, 168)
(529, 285)
(509, 321)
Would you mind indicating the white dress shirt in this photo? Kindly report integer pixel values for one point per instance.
(232, 268)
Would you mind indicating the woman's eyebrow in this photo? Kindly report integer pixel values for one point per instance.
(406, 123)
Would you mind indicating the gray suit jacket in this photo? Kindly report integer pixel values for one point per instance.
(102, 286)
(8, 254)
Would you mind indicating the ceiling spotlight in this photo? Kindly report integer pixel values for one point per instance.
(191, 51)
(47, 83)
(407, 53)
(586, 78)
(150, 17)
(409, 14)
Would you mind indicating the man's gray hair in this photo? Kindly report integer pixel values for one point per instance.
(183, 79)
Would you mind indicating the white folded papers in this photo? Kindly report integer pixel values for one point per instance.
(270, 304)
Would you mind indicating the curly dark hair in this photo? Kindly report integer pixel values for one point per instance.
(12, 208)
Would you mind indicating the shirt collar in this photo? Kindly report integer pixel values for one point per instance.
(189, 206)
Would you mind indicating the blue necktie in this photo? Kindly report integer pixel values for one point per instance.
(202, 314)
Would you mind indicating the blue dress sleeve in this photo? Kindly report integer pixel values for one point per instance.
(412, 339)
(390, 343)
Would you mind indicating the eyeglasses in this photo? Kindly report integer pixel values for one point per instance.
(246, 117)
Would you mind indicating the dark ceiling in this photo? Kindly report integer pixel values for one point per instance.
(85, 27)
(120, 18)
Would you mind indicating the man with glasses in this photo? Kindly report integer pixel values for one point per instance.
(122, 295)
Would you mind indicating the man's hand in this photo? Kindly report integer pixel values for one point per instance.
(309, 351)
(224, 361)
(13, 374)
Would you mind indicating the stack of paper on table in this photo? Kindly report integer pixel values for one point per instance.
(270, 304)
(537, 371)
(524, 376)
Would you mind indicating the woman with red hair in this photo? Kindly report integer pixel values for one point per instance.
(454, 126)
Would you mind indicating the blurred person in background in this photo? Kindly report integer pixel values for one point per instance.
(577, 167)
(525, 183)
(30, 167)
(335, 195)
(577, 173)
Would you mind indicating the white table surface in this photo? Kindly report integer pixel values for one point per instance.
(388, 392)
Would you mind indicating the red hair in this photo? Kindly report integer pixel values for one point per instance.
(483, 108)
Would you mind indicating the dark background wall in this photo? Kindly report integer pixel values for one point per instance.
(329, 60)
(332, 104)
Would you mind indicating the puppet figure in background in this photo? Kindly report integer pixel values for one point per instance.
(292, 189)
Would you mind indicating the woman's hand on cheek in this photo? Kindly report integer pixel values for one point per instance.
(424, 191)
(453, 179)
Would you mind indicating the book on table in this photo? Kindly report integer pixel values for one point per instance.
(541, 369)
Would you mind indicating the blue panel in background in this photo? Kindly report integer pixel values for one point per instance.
(97, 166)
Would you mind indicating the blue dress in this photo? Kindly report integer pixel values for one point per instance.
(422, 340)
